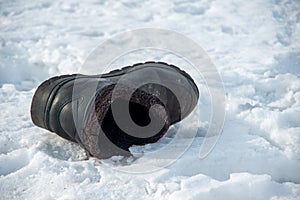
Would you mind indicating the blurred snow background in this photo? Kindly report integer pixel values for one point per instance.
(254, 45)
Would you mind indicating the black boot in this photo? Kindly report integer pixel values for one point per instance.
(91, 110)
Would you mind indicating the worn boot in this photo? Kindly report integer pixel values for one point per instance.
(108, 113)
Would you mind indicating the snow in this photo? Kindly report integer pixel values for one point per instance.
(254, 45)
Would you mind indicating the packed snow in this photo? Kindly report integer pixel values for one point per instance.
(256, 49)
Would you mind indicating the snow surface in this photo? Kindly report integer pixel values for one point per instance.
(254, 45)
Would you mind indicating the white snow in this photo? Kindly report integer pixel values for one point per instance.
(255, 47)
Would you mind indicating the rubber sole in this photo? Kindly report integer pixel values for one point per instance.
(42, 99)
